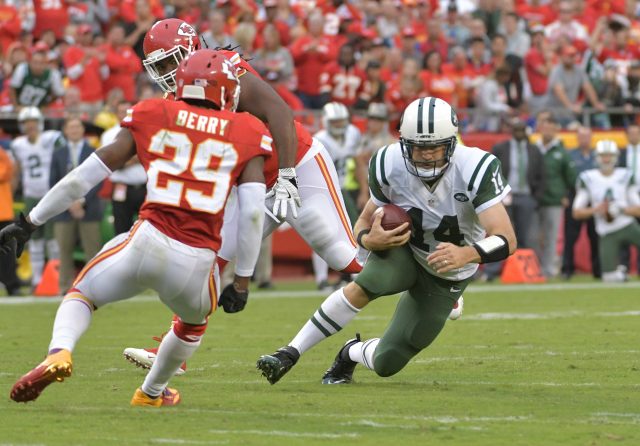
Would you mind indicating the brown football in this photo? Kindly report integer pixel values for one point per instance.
(393, 216)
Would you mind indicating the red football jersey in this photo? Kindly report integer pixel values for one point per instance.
(304, 137)
(192, 156)
(50, 14)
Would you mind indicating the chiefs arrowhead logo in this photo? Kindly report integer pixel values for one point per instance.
(186, 30)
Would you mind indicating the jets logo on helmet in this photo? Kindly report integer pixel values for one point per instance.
(428, 124)
(165, 45)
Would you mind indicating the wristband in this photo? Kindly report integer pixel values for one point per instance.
(492, 249)
(360, 235)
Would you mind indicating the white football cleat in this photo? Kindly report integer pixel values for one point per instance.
(457, 309)
(145, 358)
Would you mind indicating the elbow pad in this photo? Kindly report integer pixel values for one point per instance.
(250, 226)
(492, 249)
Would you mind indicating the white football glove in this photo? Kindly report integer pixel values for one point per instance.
(286, 193)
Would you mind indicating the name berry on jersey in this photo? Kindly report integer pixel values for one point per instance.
(206, 124)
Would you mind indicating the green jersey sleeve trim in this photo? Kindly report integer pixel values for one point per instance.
(492, 184)
(382, 171)
(477, 171)
(374, 185)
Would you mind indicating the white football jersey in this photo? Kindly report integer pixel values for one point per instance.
(449, 212)
(35, 161)
(618, 188)
(341, 151)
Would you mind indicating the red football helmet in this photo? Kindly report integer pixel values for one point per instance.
(208, 75)
(165, 45)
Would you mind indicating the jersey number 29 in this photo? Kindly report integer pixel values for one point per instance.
(174, 171)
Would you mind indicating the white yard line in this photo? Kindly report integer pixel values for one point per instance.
(473, 289)
(282, 433)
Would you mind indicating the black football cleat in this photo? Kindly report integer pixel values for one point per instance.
(276, 365)
(341, 371)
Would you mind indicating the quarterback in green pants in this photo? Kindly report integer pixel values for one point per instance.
(453, 194)
(610, 195)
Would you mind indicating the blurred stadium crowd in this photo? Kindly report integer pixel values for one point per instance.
(490, 59)
(500, 63)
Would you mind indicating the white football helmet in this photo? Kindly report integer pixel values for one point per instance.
(335, 119)
(30, 113)
(428, 123)
(607, 147)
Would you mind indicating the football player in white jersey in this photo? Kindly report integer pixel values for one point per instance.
(453, 194)
(610, 195)
(33, 152)
(341, 139)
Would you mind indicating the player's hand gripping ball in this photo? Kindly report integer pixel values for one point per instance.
(393, 217)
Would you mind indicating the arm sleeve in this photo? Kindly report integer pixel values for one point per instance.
(377, 178)
(251, 213)
(18, 75)
(75, 185)
(582, 199)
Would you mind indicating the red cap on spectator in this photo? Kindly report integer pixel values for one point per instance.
(84, 29)
(408, 31)
(40, 46)
(270, 3)
(369, 33)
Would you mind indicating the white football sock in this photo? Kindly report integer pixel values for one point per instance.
(320, 268)
(334, 313)
(362, 352)
(36, 256)
(72, 320)
(172, 352)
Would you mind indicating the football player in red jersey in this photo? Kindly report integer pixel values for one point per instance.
(194, 150)
(323, 223)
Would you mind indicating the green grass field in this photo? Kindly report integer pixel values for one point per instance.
(524, 366)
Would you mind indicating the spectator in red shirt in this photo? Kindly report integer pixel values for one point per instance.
(275, 65)
(409, 45)
(376, 88)
(458, 70)
(616, 47)
(51, 15)
(138, 25)
(10, 26)
(123, 64)
(566, 26)
(538, 63)
(85, 67)
(402, 94)
(311, 53)
(536, 13)
(271, 12)
(435, 82)
(342, 81)
(436, 40)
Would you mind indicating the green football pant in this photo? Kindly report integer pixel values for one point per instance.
(422, 310)
(610, 245)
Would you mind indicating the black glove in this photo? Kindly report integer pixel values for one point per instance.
(232, 300)
(16, 234)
